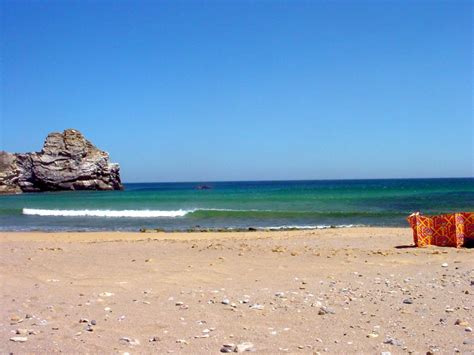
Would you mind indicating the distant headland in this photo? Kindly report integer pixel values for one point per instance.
(67, 161)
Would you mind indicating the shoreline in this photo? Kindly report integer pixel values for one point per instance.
(188, 235)
(207, 230)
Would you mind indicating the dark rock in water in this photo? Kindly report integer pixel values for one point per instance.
(203, 187)
(67, 161)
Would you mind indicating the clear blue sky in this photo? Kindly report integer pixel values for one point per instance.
(243, 90)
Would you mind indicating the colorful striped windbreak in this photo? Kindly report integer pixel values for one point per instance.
(447, 230)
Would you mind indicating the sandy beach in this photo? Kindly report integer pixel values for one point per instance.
(356, 290)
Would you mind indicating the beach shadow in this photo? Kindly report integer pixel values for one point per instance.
(405, 246)
(468, 243)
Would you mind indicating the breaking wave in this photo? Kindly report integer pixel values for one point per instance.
(127, 213)
(204, 213)
(105, 213)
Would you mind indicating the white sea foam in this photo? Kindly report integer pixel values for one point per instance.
(318, 226)
(162, 214)
(105, 213)
(298, 227)
(122, 213)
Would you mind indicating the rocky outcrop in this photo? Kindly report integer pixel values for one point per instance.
(67, 161)
(9, 173)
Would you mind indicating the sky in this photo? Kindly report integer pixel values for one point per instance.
(245, 90)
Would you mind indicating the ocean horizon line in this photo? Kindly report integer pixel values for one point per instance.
(298, 180)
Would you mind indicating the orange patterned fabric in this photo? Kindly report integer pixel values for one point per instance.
(469, 225)
(447, 230)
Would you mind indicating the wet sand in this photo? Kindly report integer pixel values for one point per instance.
(357, 290)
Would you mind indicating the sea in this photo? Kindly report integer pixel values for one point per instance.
(238, 205)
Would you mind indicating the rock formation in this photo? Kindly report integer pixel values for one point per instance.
(67, 161)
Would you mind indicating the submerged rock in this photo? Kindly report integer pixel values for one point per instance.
(203, 187)
(67, 161)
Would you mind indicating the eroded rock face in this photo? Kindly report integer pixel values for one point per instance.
(67, 161)
(9, 173)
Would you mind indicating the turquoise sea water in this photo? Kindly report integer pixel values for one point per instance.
(270, 204)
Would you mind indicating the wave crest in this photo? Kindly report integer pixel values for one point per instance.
(105, 213)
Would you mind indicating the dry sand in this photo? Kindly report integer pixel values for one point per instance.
(360, 290)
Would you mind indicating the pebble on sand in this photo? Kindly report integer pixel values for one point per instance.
(239, 348)
(245, 346)
(228, 348)
(325, 310)
(15, 319)
(19, 339)
(131, 341)
(392, 341)
(106, 294)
